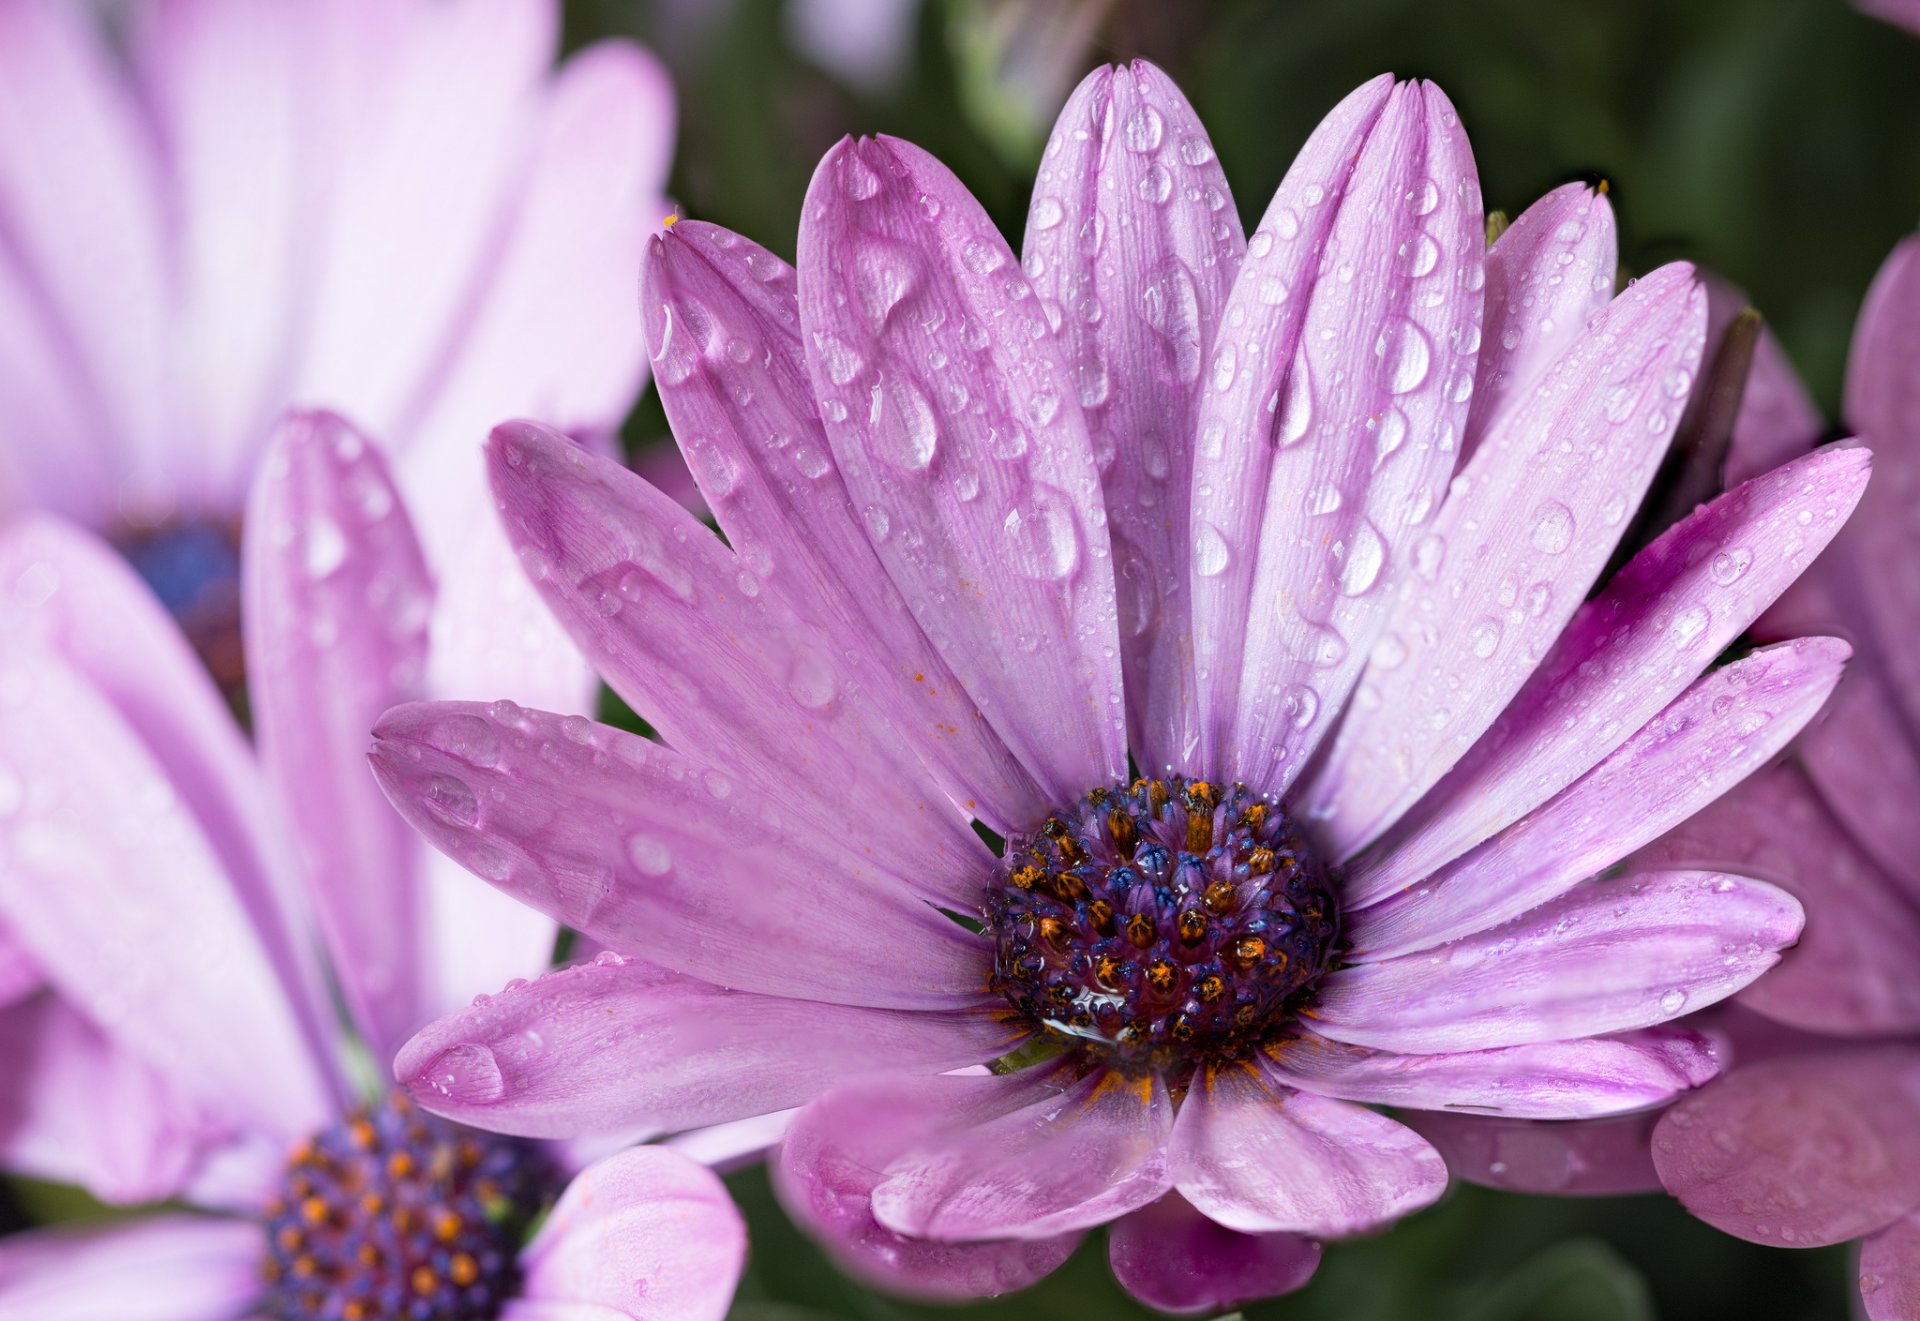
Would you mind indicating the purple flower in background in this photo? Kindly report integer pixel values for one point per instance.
(184, 1041)
(398, 210)
(1815, 1139)
(999, 530)
(1904, 12)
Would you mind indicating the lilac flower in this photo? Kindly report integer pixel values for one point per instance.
(183, 1043)
(1904, 12)
(396, 210)
(996, 529)
(1815, 1138)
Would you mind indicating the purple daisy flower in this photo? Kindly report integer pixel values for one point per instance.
(399, 210)
(174, 1039)
(1904, 12)
(998, 533)
(1815, 1138)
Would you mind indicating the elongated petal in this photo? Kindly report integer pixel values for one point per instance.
(1777, 422)
(657, 602)
(1721, 730)
(648, 1233)
(1626, 654)
(45, 391)
(171, 968)
(1547, 274)
(1607, 956)
(1065, 1157)
(20, 976)
(1132, 243)
(1261, 1158)
(86, 227)
(957, 426)
(1177, 1261)
(1578, 1079)
(1528, 526)
(1334, 410)
(1583, 1158)
(1863, 761)
(1802, 1151)
(159, 1268)
(337, 600)
(652, 854)
(752, 433)
(1890, 1259)
(63, 590)
(1853, 971)
(837, 1152)
(619, 1045)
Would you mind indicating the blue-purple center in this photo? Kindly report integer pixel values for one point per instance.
(395, 1214)
(193, 566)
(1162, 923)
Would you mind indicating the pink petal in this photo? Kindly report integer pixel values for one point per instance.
(1132, 243)
(838, 1151)
(657, 602)
(1584, 1158)
(1063, 1156)
(1802, 1151)
(1626, 654)
(63, 590)
(20, 976)
(614, 1044)
(752, 433)
(1577, 1079)
(158, 1268)
(1607, 956)
(1890, 1259)
(1862, 761)
(1778, 421)
(1550, 272)
(1721, 730)
(80, 186)
(1334, 410)
(1527, 528)
(1175, 1260)
(990, 523)
(647, 1233)
(336, 605)
(1853, 971)
(171, 967)
(1258, 1157)
(656, 855)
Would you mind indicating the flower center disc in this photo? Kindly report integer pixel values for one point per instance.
(398, 1214)
(1162, 922)
(193, 566)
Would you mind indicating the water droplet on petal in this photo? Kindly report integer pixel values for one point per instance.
(1145, 129)
(1405, 356)
(1359, 559)
(1210, 554)
(467, 1073)
(1047, 212)
(1552, 527)
(901, 428)
(1042, 536)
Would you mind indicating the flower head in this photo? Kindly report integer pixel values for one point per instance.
(1305, 759)
(167, 1034)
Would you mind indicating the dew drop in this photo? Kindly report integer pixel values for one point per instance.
(902, 431)
(468, 1072)
(1405, 356)
(452, 801)
(1728, 566)
(1144, 130)
(1360, 558)
(857, 179)
(1042, 536)
(1047, 213)
(1196, 150)
(1210, 554)
(648, 855)
(1552, 527)
(1155, 185)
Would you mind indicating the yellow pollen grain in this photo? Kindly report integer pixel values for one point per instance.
(464, 1269)
(446, 1226)
(424, 1280)
(314, 1211)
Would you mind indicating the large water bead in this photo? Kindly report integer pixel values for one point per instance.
(1162, 923)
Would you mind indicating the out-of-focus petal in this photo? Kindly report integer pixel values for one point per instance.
(86, 232)
(20, 976)
(1175, 1260)
(160, 1268)
(1777, 421)
(336, 606)
(1132, 243)
(1607, 956)
(618, 1045)
(1626, 654)
(647, 1233)
(680, 629)
(1863, 762)
(1337, 395)
(723, 322)
(1890, 1259)
(1547, 274)
(1577, 1079)
(170, 967)
(655, 855)
(1853, 971)
(991, 523)
(1721, 730)
(1584, 1158)
(1262, 1158)
(1527, 527)
(1801, 1151)
(1062, 1157)
(839, 1149)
